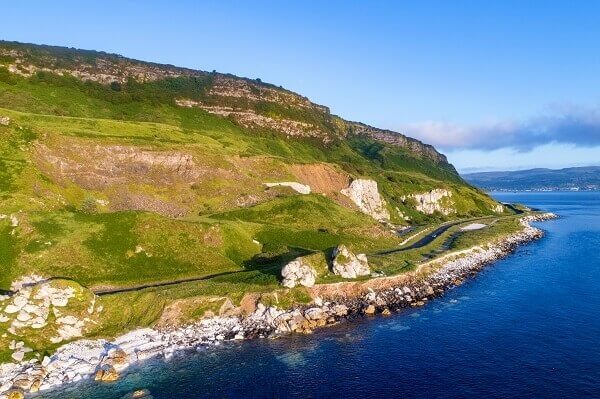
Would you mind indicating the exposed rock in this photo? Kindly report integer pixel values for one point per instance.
(139, 394)
(386, 312)
(107, 374)
(348, 265)
(298, 273)
(370, 310)
(499, 208)
(298, 187)
(399, 140)
(249, 118)
(228, 308)
(18, 356)
(315, 314)
(364, 193)
(340, 310)
(4, 120)
(15, 394)
(433, 201)
(116, 358)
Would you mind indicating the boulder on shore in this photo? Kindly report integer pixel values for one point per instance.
(297, 272)
(349, 265)
(107, 374)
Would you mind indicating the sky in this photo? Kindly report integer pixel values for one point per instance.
(493, 85)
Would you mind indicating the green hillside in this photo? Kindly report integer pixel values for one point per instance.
(115, 172)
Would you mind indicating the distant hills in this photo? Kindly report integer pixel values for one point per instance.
(574, 179)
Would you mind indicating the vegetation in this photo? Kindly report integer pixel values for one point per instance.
(112, 184)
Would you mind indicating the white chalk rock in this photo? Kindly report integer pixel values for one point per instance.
(348, 265)
(433, 201)
(298, 273)
(365, 194)
(298, 187)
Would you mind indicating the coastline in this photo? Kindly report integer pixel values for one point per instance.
(334, 303)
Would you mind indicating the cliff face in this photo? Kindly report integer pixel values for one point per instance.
(250, 103)
(399, 140)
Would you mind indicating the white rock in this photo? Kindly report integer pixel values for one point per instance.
(298, 273)
(18, 356)
(365, 194)
(60, 301)
(298, 187)
(23, 316)
(432, 201)
(20, 300)
(348, 265)
(29, 308)
(10, 309)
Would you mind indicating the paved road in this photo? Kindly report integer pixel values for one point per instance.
(423, 241)
(109, 291)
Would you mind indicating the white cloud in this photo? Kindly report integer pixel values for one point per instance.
(564, 125)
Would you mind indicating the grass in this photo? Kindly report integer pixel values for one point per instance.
(71, 227)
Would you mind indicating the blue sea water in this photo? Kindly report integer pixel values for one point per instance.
(526, 327)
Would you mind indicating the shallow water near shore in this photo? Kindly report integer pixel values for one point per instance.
(528, 326)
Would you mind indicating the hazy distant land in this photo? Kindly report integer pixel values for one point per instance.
(567, 179)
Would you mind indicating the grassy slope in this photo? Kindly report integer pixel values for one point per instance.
(62, 232)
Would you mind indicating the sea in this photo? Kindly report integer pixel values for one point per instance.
(527, 326)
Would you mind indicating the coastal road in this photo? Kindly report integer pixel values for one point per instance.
(108, 291)
(426, 239)
(423, 241)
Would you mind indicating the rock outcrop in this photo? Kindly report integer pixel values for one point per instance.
(298, 187)
(250, 119)
(365, 194)
(349, 265)
(4, 121)
(297, 272)
(433, 201)
(58, 310)
(399, 140)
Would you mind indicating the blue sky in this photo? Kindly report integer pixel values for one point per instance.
(508, 85)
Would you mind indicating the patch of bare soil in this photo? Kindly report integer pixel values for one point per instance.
(321, 177)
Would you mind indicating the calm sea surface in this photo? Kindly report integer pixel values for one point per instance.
(526, 327)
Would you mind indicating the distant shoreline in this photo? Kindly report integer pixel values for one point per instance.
(540, 191)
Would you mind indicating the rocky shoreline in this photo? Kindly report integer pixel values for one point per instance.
(104, 360)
